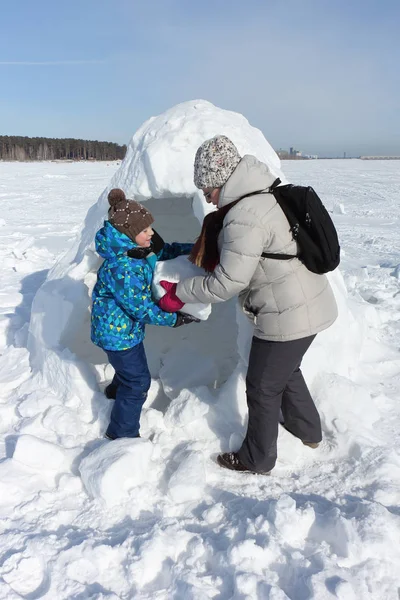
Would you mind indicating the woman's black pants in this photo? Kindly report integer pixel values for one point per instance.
(275, 382)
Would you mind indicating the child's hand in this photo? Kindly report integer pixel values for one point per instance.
(185, 319)
(170, 302)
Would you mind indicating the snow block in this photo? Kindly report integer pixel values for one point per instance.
(37, 402)
(188, 481)
(187, 407)
(292, 523)
(24, 574)
(247, 555)
(338, 208)
(113, 469)
(18, 484)
(41, 455)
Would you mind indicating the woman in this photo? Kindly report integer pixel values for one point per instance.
(288, 304)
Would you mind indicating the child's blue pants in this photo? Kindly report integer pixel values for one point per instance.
(132, 378)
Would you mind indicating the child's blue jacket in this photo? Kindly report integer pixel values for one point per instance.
(122, 299)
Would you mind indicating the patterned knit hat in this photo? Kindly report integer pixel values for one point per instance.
(127, 216)
(215, 161)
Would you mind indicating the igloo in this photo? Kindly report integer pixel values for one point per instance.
(158, 170)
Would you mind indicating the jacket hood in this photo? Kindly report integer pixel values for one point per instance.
(251, 175)
(110, 242)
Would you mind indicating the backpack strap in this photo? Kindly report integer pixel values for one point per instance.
(270, 254)
(266, 191)
(275, 184)
(278, 256)
(271, 190)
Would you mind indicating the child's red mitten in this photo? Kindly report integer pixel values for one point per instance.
(170, 302)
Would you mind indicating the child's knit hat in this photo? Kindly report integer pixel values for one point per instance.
(128, 216)
(215, 161)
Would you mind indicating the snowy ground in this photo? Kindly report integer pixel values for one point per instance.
(77, 521)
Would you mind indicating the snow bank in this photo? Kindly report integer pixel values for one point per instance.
(159, 518)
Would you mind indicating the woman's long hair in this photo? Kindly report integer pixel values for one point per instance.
(205, 252)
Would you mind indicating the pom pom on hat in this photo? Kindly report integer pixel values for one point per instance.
(116, 195)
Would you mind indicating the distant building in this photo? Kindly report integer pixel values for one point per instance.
(294, 154)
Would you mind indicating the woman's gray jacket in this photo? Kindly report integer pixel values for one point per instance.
(285, 300)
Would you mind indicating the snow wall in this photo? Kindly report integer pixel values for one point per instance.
(158, 169)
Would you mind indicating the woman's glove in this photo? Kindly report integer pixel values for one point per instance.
(170, 302)
(185, 319)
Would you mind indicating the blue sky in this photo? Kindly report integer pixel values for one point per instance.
(322, 76)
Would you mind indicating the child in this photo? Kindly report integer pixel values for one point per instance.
(122, 305)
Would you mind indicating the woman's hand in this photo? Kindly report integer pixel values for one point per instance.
(170, 302)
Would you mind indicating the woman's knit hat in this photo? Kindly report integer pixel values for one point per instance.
(128, 216)
(215, 161)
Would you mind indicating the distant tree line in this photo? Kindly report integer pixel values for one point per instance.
(14, 147)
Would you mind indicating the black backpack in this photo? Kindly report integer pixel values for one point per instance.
(311, 226)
